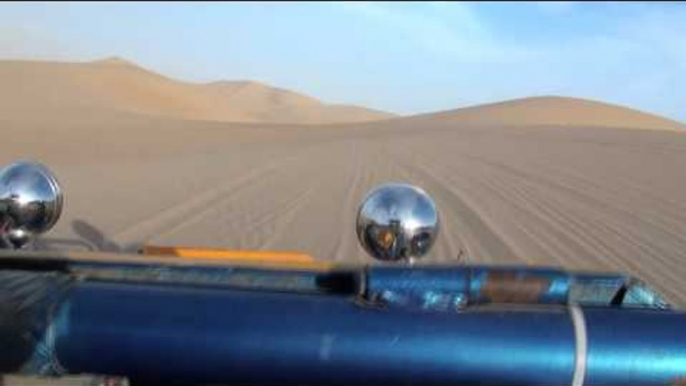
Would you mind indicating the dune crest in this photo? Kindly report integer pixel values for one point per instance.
(553, 111)
(116, 84)
(114, 61)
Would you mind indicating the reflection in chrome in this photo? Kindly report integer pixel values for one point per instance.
(397, 222)
(30, 202)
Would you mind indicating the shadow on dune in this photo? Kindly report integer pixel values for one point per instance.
(89, 238)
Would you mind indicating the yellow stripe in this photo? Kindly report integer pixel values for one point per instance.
(262, 258)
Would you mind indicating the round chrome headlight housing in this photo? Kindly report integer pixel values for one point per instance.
(30, 201)
(397, 222)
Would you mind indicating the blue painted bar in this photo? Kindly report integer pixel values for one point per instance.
(194, 335)
(645, 347)
(161, 323)
(156, 333)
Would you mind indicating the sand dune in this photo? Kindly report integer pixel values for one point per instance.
(32, 88)
(555, 190)
(553, 111)
(117, 85)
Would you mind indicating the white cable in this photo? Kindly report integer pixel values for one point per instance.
(581, 341)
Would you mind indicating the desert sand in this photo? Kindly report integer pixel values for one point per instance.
(545, 181)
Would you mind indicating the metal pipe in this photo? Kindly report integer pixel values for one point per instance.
(164, 334)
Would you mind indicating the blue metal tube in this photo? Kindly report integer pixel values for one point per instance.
(194, 335)
(636, 347)
(154, 333)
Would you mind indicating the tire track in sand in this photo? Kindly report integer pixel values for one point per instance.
(450, 246)
(482, 242)
(195, 207)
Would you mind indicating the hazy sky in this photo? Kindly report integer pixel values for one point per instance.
(404, 57)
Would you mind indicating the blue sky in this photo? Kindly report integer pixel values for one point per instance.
(403, 57)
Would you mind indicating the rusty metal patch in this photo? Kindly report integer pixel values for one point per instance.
(681, 381)
(511, 287)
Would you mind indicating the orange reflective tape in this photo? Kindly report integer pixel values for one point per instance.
(238, 256)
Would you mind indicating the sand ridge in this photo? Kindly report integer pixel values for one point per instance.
(114, 84)
(553, 111)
